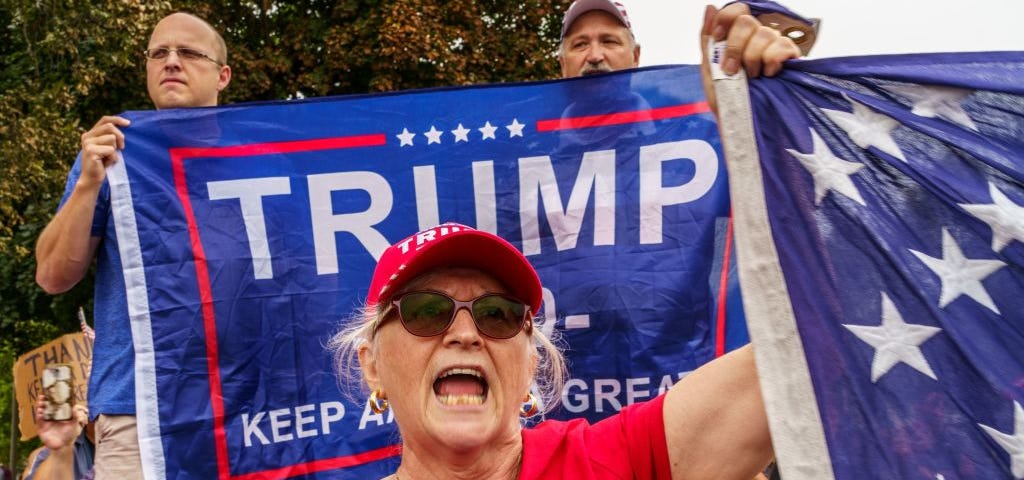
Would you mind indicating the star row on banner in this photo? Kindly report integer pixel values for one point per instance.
(459, 134)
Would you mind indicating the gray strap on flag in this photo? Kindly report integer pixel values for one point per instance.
(793, 416)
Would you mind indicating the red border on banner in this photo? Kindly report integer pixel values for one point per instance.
(723, 292)
(619, 118)
(178, 157)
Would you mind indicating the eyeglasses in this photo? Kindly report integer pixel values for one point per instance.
(426, 313)
(185, 53)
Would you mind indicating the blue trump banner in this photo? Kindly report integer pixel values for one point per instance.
(880, 232)
(248, 234)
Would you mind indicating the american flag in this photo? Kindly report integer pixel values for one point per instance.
(880, 235)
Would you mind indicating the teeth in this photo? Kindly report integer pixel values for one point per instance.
(461, 371)
(461, 399)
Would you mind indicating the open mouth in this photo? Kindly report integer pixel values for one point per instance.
(460, 386)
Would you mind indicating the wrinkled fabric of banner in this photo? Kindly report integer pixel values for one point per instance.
(890, 191)
(249, 234)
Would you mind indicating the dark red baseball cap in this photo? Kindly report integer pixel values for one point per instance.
(455, 245)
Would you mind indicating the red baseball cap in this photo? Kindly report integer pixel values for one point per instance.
(455, 245)
(579, 7)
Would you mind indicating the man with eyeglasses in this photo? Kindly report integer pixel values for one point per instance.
(186, 66)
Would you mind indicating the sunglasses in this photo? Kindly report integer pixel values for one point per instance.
(426, 313)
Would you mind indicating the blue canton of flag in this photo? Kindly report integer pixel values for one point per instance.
(894, 192)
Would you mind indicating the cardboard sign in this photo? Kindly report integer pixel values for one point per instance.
(72, 349)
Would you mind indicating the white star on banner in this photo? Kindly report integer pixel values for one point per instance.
(937, 102)
(829, 171)
(488, 131)
(1004, 216)
(461, 134)
(433, 135)
(867, 128)
(515, 129)
(895, 341)
(958, 274)
(1012, 443)
(405, 138)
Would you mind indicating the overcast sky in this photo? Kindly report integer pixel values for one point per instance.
(668, 29)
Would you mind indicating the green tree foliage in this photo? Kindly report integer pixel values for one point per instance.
(317, 48)
(64, 64)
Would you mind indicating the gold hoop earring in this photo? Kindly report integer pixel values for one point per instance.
(378, 401)
(529, 406)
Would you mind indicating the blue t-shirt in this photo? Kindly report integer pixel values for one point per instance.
(112, 380)
(83, 458)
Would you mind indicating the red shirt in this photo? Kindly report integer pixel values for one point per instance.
(628, 445)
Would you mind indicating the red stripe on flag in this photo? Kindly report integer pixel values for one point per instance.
(178, 157)
(209, 322)
(723, 292)
(332, 143)
(620, 118)
(322, 465)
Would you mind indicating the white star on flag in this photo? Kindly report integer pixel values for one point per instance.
(515, 129)
(937, 102)
(867, 128)
(829, 171)
(1004, 216)
(1012, 443)
(405, 138)
(461, 134)
(958, 274)
(433, 135)
(488, 131)
(895, 341)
